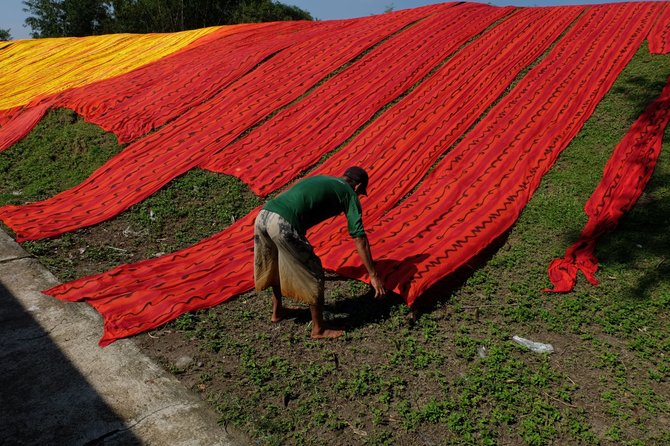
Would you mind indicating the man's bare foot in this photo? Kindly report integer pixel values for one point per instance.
(287, 313)
(326, 333)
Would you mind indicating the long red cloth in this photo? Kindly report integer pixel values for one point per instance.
(625, 176)
(132, 104)
(134, 298)
(478, 190)
(298, 136)
(148, 164)
(659, 36)
(78, 63)
(18, 122)
(8, 114)
(399, 148)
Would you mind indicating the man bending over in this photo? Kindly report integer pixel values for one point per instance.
(284, 258)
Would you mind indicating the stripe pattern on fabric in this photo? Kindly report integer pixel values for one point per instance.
(659, 36)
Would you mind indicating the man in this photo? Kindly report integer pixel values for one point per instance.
(284, 258)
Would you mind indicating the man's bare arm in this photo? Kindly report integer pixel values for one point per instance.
(363, 248)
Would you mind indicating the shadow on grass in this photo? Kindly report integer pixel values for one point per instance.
(364, 309)
(639, 91)
(642, 240)
(442, 291)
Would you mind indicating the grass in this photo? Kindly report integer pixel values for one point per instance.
(63, 150)
(450, 375)
(59, 154)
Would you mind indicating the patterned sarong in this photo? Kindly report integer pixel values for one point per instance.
(284, 258)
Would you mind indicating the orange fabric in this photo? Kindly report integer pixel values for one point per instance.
(478, 190)
(468, 199)
(340, 106)
(453, 97)
(407, 218)
(132, 104)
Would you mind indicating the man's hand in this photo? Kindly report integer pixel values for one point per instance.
(378, 285)
(363, 248)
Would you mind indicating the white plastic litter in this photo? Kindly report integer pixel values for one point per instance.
(536, 347)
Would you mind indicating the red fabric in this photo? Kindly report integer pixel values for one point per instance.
(202, 276)
(625, 177)
(18, 123)
(399, 148)
(148, 164)
(132, 105)
(473, 195)
(7, 115)
(480, 187)
(146, 98)
(128, 296)
(336, 109)
(659, 36)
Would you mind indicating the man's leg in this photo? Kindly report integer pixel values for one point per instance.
(266, 264)
(279, 311)
(301, 277)
(277, 308)
(319, 329)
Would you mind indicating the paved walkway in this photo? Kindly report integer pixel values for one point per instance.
(57, 387)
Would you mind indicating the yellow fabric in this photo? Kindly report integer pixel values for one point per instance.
(30, 68)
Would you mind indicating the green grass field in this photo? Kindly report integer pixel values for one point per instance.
(450, 375)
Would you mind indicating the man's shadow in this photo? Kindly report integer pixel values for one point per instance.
(363, 309)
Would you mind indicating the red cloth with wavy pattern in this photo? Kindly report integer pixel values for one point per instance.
(335, 110)
(478, 190)
(659, 36)
(148, 164)
(450, 100)
(18, 122)
(8, 115)
(625, 177)
(132, 104)
(476, 183)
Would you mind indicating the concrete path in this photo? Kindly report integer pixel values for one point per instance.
(58, 387)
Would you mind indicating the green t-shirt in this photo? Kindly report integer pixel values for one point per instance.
(316, 199)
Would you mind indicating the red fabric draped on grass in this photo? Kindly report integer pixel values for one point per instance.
(148, 164)
(17, 122)
(132, 104)
(144, 295)
(659, 36)
(625, 177)
(8, 115)
(298, 136)
(478, 190)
